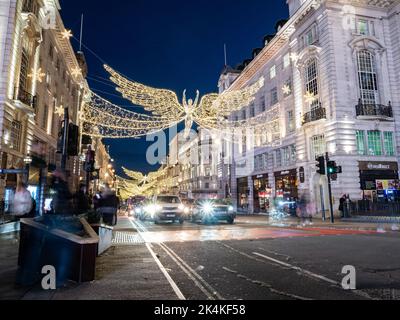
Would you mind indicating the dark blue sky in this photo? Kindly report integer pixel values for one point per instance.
(174, 44)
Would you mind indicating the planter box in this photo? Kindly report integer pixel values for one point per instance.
(72, 255)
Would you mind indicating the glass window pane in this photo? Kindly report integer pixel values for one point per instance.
(374, 143)
(389, 144)
(360, 142)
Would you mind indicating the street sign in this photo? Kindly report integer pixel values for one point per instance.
(13, 171)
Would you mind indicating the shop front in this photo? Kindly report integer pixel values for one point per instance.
(380, 181)
(286, 184)
(262, 193)
(243, 193)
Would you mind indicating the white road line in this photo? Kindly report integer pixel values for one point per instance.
(188, 273)
(172, 283)
(287, 265)
(199, 281)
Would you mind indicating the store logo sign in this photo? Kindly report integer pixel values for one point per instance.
(379, 166)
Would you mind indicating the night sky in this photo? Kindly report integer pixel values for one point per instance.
(174, 44)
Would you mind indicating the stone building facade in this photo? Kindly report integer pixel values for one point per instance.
(332, 78)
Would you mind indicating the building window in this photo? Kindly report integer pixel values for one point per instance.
(286, 61)
(278, 158)
(367, 77)
(262, 104)
(389, 143)
(286, 156)
(374, 143)
(311, 81)
(293, 151)
(365, 27)
(310, 37)
(252, 111)
(291, 123)
(318, 146)
(45, 117)
(15, 137)
(274, 96)
(272, 72)
(360, 136)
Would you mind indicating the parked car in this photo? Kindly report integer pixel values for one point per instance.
(207, 211)
(166, 208)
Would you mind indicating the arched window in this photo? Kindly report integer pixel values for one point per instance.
(311, 83)
(367, 78)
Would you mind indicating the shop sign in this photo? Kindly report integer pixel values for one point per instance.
(372, 165)
(302, 175)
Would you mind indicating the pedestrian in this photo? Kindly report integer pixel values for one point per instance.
(108, 206)
(302, 209)
(22, 202)
(81, 200)
(342, 203)
(61, 203)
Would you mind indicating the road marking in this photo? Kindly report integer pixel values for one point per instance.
(266, 285)
(301, 270)
(172, 283)
(199, 281)
(190, 273)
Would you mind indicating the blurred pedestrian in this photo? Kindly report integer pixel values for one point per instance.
(342, 203)
(302, 209)
(81, 200)
(61, 203)
(108, 206)
(22, 202)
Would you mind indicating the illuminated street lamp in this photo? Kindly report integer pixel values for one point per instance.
(27, 161)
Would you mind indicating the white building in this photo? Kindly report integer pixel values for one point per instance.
(40, 75)
(333, 77)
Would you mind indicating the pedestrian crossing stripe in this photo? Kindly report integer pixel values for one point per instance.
(127, 238)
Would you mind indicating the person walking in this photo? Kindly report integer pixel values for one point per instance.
(81, 200)
(108, 206)
(22, 203)
(342, 203)
(61, 203)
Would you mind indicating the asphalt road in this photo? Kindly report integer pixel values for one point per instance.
(250, 260)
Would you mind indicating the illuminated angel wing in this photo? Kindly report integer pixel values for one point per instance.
(160, 102)
(137, 176)
(230, 101)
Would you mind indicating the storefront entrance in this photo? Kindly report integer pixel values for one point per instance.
(286, 184)
(243, 193)
(262, 193)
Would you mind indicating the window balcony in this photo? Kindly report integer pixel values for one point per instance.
(25, 97)
(314, 115)
(374, 110)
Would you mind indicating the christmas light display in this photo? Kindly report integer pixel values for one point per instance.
(37, 74)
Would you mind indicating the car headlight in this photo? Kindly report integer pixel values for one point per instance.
(208, 208)
(186, 210)
(231, 209)
(181, 207)
(138, 210)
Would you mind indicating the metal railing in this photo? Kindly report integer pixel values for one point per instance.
(374, 110)
(25, 97)
(314, 115)
(369, 208)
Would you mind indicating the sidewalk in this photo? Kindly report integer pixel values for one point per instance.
(317, 223)
(124, 272)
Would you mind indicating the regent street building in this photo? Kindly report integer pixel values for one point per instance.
(332, 81)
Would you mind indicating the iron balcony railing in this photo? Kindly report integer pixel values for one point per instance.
(25, 97)
(314, 115)
(374, 110)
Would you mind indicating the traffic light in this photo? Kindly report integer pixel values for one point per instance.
(333, 168)
(321, 165)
